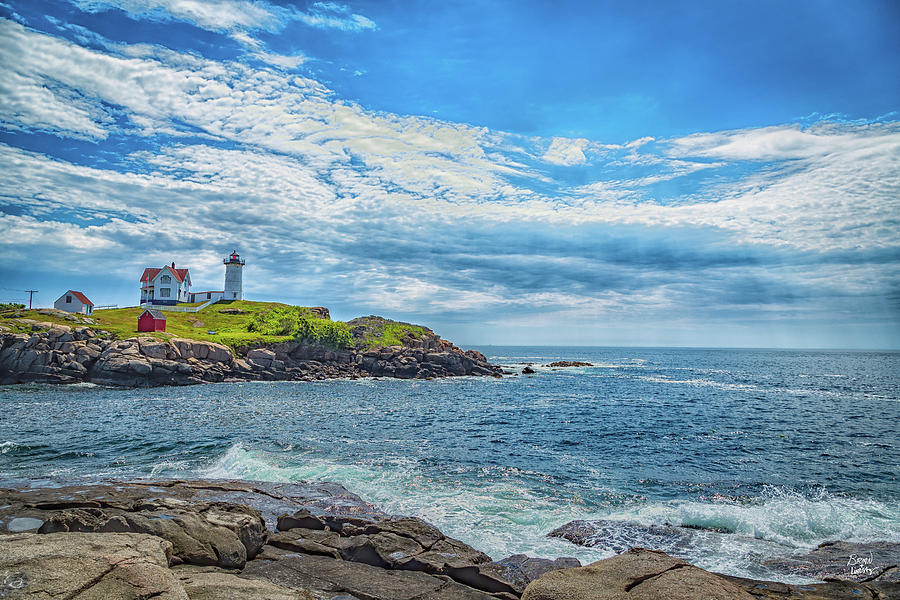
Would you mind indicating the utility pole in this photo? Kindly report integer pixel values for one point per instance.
(31, 294)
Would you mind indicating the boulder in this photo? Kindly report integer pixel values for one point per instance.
(619, 536)
(153, 348)
(406, 543)
(519, 570)
(327, 577)
(830, 590)
(261, 357)
(81, 566)
(200, 350)
(320, 311)
(201, 533)
(873, 561)
(638, 574)
(308, 541)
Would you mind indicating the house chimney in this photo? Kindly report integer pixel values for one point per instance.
(173, 264)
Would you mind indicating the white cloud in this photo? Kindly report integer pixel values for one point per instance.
(235, 15)
(331, 15)
(781, 143)
(566, 152)
(220, 15)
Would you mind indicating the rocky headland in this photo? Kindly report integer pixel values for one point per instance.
(51, 352)
(243, 540)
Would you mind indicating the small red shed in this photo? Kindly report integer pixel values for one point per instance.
(152, 320)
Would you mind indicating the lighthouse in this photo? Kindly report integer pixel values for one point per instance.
(233, 279)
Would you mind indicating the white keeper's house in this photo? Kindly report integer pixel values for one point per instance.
(170, 286)
(167, 285)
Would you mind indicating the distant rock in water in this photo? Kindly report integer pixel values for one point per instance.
(527, 371)
(570, 363)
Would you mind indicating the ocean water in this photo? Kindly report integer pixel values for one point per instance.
(785, 449)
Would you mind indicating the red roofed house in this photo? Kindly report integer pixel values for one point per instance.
(74, 302)
(167, 285)
(152, 320)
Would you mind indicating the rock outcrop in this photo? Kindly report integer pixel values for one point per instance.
(846, 561)
(201, 533)
(519, 569)
(192, 539)
(204, 540)
(874, 561)
(405, 544)
(641, 574)
(82, 566)
(62, 354)
(618, 536)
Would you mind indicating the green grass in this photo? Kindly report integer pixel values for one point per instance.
(231, 329)
(259, 323)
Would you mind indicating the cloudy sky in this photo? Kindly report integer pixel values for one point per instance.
(709, 173)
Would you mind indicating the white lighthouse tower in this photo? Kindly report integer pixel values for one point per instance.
(233, 277)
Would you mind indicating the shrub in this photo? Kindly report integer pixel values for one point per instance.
(299, 323)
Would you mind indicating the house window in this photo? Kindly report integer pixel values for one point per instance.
(165, 279)
(209, 295)
(164, 292)
(68, 299)
(235, 294)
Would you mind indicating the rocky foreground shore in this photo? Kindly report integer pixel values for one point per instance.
(254, 541)
(54, 353)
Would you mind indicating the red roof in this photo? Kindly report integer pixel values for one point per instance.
(82, 297)
(150, 273)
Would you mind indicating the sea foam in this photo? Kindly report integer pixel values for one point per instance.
(508, 511)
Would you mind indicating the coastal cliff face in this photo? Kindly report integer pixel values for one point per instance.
(54, 353)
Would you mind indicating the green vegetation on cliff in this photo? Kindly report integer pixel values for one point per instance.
(239, 323)
(375, 332)
(300, 323)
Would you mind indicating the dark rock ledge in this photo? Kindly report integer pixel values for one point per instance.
(215, 540)
(62, 354)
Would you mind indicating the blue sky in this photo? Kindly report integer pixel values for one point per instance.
(593, 173)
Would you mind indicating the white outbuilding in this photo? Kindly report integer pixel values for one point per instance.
(74, 302)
